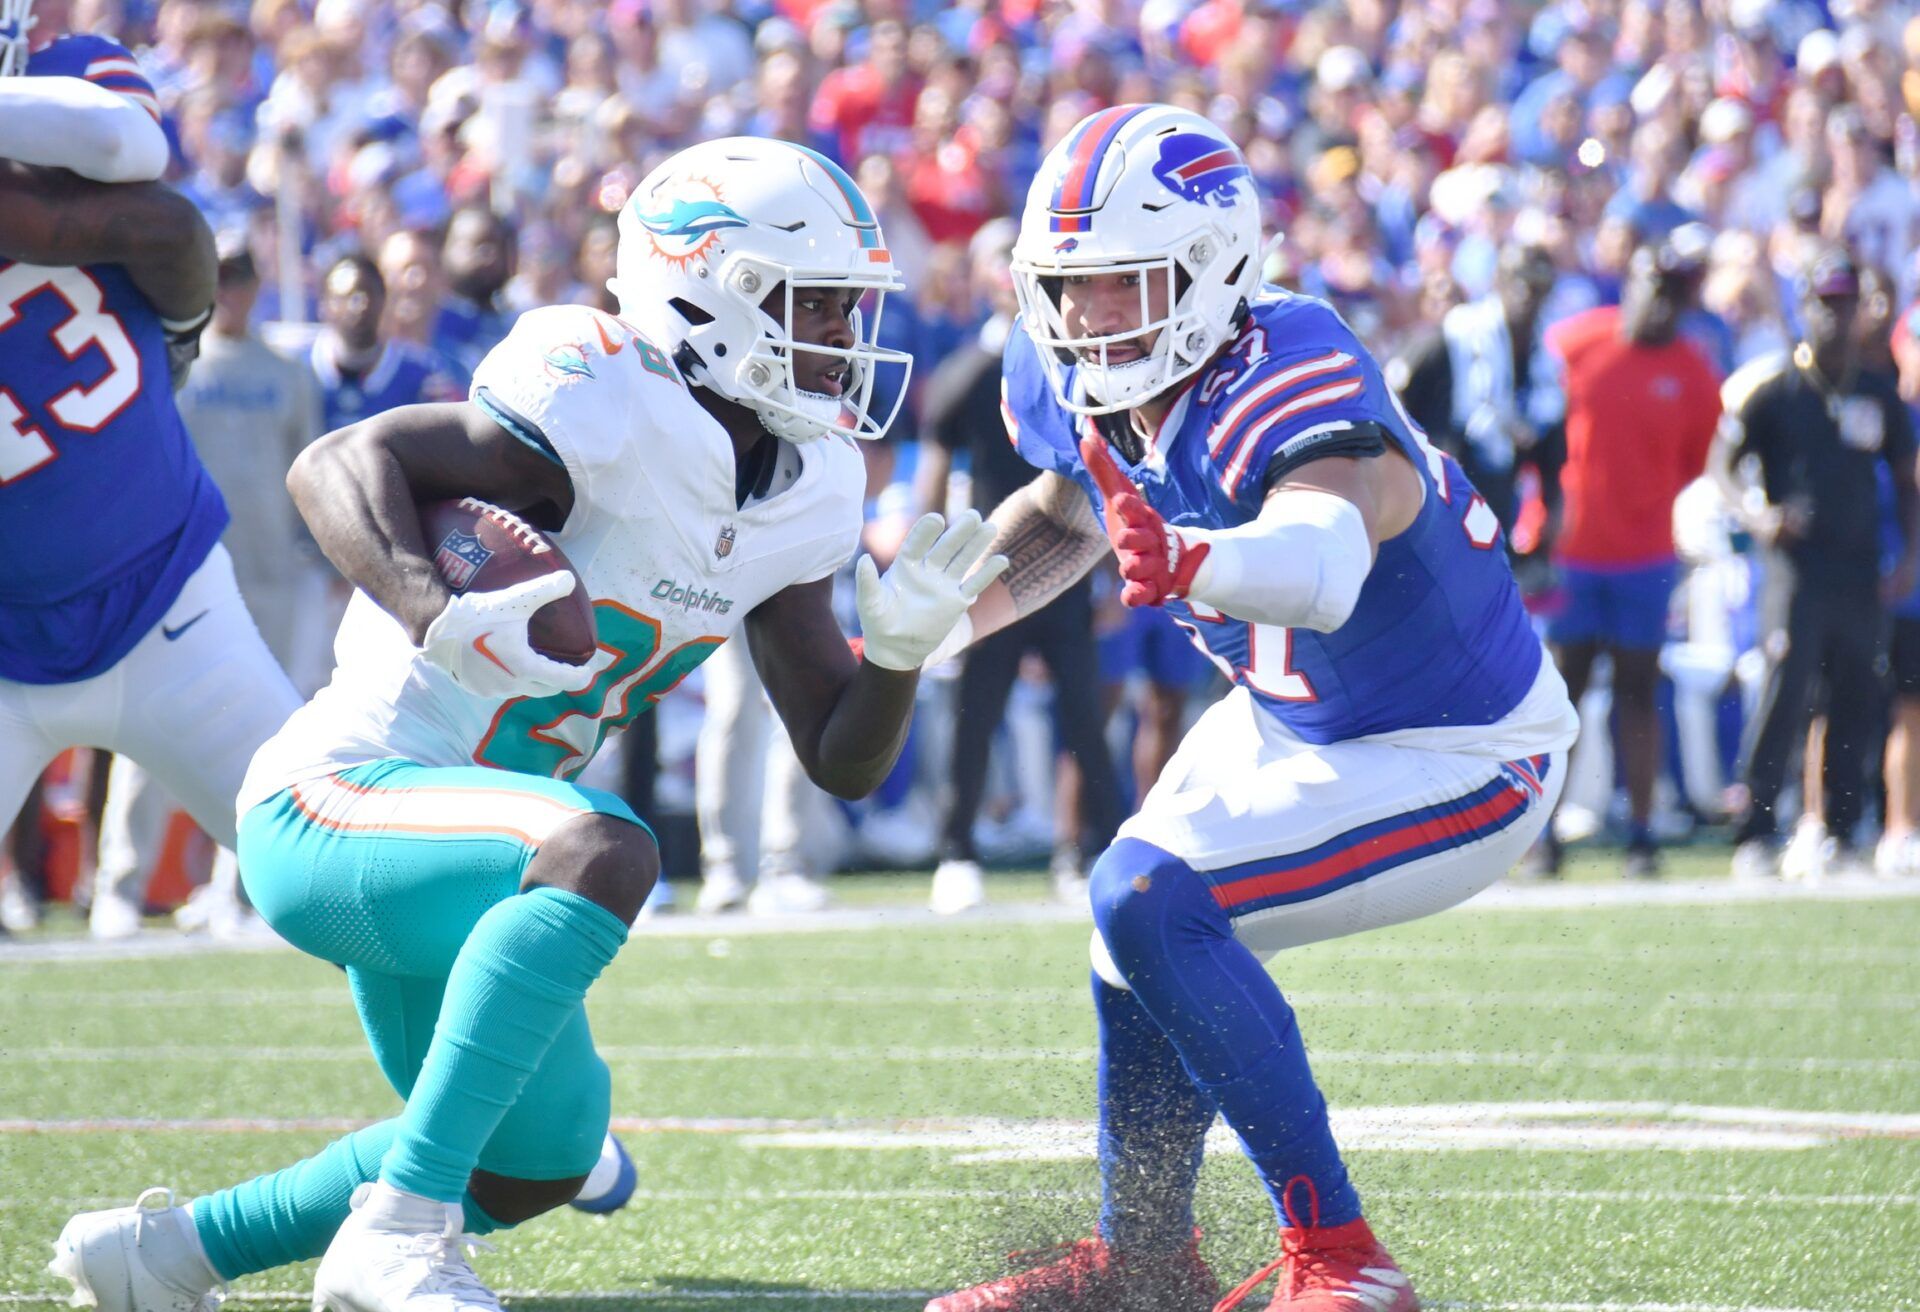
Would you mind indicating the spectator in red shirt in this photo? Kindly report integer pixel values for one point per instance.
(948, 185)
(1642, 407)
(867, 108)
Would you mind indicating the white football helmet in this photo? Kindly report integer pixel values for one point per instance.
(16, 23)
(710, 234)
(1138, 189)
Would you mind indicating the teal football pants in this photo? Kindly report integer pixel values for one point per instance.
(386, 869)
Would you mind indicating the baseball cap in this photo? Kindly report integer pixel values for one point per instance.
(1751, 19)
(1831, 273)
(1819, 51)
(1342, 68)
(230, 243)
(1723, 120)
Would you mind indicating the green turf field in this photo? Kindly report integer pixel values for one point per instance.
(1641, 1107)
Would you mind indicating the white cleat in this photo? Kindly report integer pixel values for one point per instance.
(112, 918)
(1756, 862)
(721, 889)
(19, 913)
(1069, 880)
(791, 894)
(144, 1258)
(399, 1252)
(957, 887)
(1897, 856)
(1808, 853)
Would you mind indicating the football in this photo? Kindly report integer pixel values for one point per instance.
(477, 547)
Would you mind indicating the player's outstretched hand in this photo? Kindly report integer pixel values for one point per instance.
(481, 640)
(905, 613)
(1157, 564)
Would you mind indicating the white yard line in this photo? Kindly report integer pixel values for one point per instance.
(705, 1294)
(774, 1197)
(751, 1294)
(1502, 897)
(903, 1054)
(1568, 1126)
(916, 995)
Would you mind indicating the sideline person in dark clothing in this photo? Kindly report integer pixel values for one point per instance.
(1481, 386)
(1796, 457)
(963, 413)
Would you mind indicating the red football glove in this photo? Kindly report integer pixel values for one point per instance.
(1157, 564)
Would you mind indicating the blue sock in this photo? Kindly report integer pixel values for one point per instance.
(290, 1215)
(1226, 1018)
(1153, 1129)
(519, 977)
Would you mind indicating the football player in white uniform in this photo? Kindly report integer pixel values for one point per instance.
(693, 457)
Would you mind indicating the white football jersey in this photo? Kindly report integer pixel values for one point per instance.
(672, 565)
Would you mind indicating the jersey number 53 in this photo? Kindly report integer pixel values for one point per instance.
(80, 408)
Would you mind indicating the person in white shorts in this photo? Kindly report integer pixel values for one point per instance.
(120, 622)
(1396, 736)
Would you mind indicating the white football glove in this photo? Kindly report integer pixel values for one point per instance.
(481, 641)
(925, 593)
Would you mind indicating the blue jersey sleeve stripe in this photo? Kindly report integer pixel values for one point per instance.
(1276, 423)
(1262, 391)
(1308, 382)
(517, 424)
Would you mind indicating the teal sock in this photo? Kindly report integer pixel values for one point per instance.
(519, 977)
(290, 1215)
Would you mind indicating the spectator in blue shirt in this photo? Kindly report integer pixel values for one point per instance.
(477, 259)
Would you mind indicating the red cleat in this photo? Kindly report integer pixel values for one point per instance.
(1087, 1276)
(1337, 1268)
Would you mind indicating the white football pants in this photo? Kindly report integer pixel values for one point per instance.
(191, 710)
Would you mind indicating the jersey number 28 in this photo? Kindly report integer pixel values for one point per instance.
(556, 736)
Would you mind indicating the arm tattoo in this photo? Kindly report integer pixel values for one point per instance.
(1050, 538)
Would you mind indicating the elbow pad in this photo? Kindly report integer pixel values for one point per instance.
(1300, 565)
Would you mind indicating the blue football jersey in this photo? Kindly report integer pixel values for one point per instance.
(1438, 637)
(405, 374)
(107, 508)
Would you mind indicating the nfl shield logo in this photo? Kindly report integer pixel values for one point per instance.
(724, 546)
(459, 558)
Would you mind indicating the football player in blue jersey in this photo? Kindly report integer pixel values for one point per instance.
(1396, 736)
(120, 622)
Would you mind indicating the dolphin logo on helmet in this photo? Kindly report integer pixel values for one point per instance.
(692, 218)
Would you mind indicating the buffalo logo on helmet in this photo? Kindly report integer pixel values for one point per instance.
(1197, 167)
(459, 557)
(686, 222)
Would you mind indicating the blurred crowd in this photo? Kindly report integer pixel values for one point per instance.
(392, 181)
